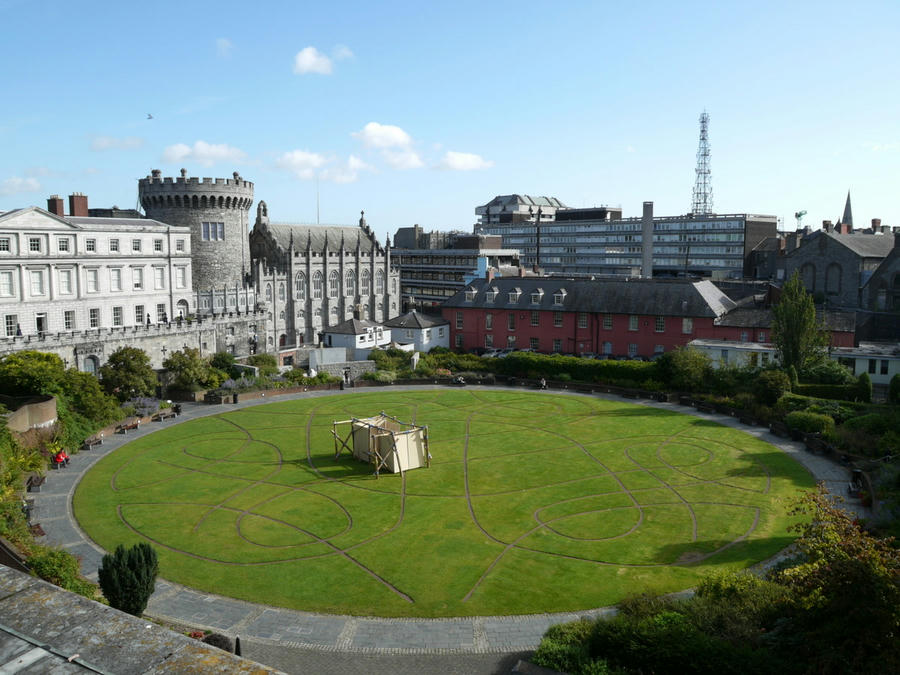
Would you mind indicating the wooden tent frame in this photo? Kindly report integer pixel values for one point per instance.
(376, 432)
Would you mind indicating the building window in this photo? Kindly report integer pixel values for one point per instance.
(379, 282)
(745, 336)
(37, 282)
(884, 367)
(557, 346)
(180, 277)
(179, 245)
(115, 279)
(510, 321)
(334, 283)
(582, 320)
(765, 359)
(489, 340)
(534, 343)
(632, 322)
(317, 286)
(458, 340)
(535, 318)
(559, 297)
(490, 295)
(349, 283)
(724, 357)
(94, 315)
(873, 366)
(62, 245)
(470, 295)
(12, 324)
(65, 282)
(136, 245)
(557, 319)
(4, 245)
(113, 245)
(607, 348)
(213, 231)
(514, 296)
(159, 278)
(536, 297)
(459, 320)
(118, 316)
(281, 291)
(90, 245)
(687, 325)
(632, 349)
(137, 275)
(510, 341)
(157, 245)
(660, 324)
(138, 315)
(366, 283)
(6, 284)
(441, 332)
(91, 280)
(607, 322)
(394, 285)
(488, 321)
(161, 313)
(34, 244)
(658, 349)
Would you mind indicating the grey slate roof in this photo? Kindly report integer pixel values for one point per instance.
(415, 320)
(608, 296)
(352, 327)
(751, 317)
(124, 222)
(316, 235)
(863, 245)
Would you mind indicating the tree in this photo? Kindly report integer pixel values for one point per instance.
(894, 393)
(684, 368)
(127, 374)
(29, 372)
(128, 577)
(88, 399)
(799, 338)
(267, 364)
(864, 388)
(190, 370)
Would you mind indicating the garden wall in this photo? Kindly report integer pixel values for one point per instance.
(33, 412)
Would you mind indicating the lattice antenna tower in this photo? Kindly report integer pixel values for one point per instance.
(703, 196)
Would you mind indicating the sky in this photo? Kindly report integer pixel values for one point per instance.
(419, 112)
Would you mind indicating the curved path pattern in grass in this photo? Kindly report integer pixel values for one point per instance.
(533, 503)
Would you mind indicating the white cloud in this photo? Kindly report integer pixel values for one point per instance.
(223, 47)
(311, 60)
(464, 161)
(403, 159)
(16, 185)
(301, 163)
(341, 52)
(346, 173)
(375, 135)
(203, 153)
(101, 143)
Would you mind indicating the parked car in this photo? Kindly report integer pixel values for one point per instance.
(638, 357)
(588, 355)
(503, 353)
(602, 357)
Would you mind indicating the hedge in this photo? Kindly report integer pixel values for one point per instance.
(809, 422)
(530, 365)
(835, 392)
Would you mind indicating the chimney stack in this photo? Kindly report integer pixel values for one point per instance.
(78, 205)
(56, 206)
(647, 241)
(827, 226)
(876, 225)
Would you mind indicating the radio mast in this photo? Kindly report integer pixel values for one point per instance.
(703, 198)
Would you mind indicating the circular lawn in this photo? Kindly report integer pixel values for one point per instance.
(533, 502)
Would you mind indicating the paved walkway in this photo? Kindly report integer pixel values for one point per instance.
(269, 626)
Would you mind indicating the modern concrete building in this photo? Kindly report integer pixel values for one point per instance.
(598, 241)
(518, 208)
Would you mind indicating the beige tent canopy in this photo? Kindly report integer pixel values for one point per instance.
(384, 441)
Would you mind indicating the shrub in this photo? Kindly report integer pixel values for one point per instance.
(564, 647)
(809, 422)
(222, 361)
(864, 391)
(267, 364)
(684, 368)
(770, 386)
(828, 371)
(218, 640)
(128, 577)
(894, 391)
(835, 392)
(60, 568)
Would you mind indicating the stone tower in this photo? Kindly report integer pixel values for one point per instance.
(216, 210)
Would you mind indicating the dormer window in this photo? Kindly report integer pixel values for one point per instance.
(490, 295)
(470, 295)
(514, 295)
(537, 296)
(559, 297)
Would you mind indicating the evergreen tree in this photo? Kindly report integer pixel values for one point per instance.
(127, 374)
(128, 577)
(798, 336)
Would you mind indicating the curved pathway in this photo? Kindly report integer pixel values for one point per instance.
(288, 628)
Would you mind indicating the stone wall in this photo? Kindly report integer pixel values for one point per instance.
(36, 413)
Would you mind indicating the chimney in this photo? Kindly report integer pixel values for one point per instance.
(876, 225)
(827, 226)
(647, 241)
(56, 206)
(489, 274)
(78, 205)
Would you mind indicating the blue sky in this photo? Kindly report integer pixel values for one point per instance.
(418, 112)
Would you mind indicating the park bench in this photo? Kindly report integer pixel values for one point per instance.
(164, 414)
(704, 407)
(37, 530)
(747, 419)
(125, 427)
(34, 482)
(684, 399)
(780, 429)
(815, 443)
(92, 441)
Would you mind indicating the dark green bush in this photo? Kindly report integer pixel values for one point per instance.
(828, 371)
(267, 364)
(874, 423)
(809, 422)
(834, 392)
(894, 392)
(770, 386)
(128, 577)
(684, 369)
(864, 391)
(564, 647)
(60, 568)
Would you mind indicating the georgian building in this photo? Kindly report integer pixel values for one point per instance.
(313, 277)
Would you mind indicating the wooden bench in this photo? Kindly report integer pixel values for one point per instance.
(704, 407)
(92, 441)
(34, 482)
(780, 429)
(125, 427)
(164, 414)
(746, 419)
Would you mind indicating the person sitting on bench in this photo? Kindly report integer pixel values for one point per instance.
(61, 458)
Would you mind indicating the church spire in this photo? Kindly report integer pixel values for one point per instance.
(847, 218)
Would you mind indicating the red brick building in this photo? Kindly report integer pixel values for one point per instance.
(615, 317)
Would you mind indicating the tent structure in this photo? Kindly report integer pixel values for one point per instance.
(384, 441)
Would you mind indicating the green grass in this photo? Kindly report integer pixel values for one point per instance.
(533, 503)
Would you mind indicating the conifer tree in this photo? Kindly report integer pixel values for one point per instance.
(128, 577)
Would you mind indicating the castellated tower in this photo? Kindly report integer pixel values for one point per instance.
(216, 210)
